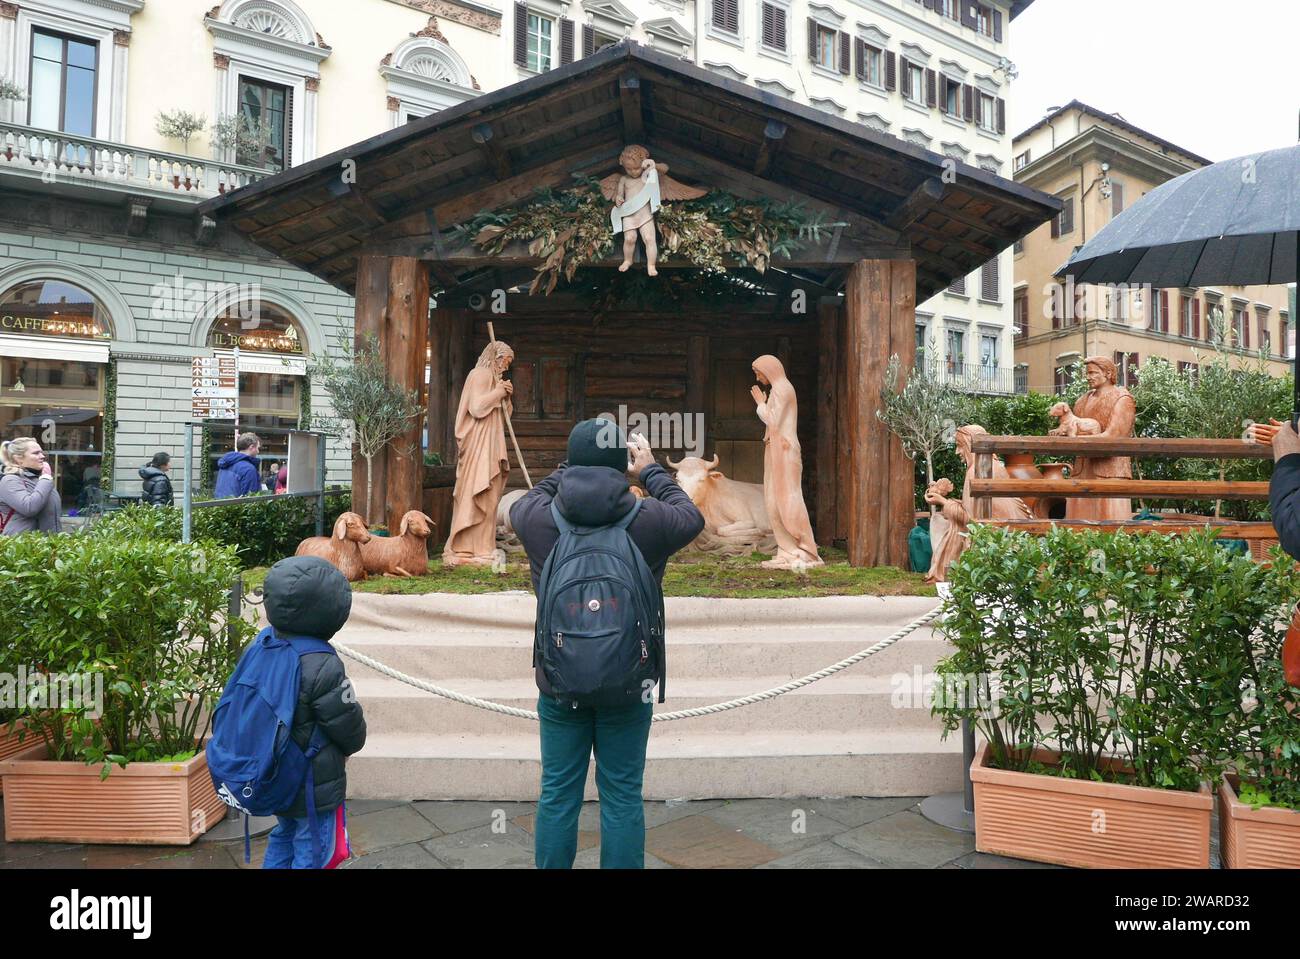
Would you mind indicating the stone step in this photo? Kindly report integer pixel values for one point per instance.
(841, 703)
(693, 654)
(679, 765)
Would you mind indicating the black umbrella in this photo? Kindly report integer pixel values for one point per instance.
(1235, 223)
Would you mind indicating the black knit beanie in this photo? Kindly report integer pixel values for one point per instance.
(598, 443)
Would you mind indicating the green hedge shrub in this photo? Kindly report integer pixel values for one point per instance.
(147, 615)
(261, 528)
(1146, 647)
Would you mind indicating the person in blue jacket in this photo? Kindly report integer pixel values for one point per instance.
(237, 472)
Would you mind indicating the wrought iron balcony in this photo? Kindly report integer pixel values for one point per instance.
(974, 378)
(50, 157)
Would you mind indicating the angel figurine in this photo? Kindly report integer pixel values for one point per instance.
(636, 194)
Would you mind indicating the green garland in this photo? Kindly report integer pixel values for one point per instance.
(107, 458)
(207, 481)
(570, 228)
(304, 402)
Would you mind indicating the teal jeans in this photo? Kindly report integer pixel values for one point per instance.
(569, 736)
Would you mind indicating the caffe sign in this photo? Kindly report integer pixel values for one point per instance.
(80, 327)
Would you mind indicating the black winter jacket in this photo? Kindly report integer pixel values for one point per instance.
(1284, 502)
(157, 487)
(598, 496)
(306, 596)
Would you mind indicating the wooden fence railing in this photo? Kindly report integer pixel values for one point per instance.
(984, 488)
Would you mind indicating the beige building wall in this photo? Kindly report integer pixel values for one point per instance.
(1064, 156)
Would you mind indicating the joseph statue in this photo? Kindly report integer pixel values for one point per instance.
(481, 459)
(1112, 406)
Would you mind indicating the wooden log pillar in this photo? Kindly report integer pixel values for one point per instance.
(460, 360)
(438, 401)
(371, 304)
(829, 450)
(407, 326)
(879, 321)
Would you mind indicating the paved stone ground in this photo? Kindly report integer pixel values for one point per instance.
(739, 834)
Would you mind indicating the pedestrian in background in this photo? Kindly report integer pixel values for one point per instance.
(28, 499)
(237, 472)
(157, 484)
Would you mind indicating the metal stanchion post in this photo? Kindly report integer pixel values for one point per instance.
(187, 493)
(957, 810)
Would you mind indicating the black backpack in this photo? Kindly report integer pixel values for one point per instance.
(600, 616)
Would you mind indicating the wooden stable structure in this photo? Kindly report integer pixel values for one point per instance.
(378, 220)
(984, 488)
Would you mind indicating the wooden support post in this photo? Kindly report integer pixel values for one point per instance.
(829, 451)
(983, 470)
(697, 381)
(404, 354)
(879, 319)
(370, 307)
(460, 360)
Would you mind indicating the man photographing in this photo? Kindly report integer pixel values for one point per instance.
(597, 555)
(1284, 506)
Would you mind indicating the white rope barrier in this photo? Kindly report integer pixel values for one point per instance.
(487, 704)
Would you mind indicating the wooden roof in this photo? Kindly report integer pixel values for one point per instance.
(400, 192)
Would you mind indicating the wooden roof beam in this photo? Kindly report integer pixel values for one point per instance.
(490, 146)
(773, 139)
(629, 96)
(927, 193)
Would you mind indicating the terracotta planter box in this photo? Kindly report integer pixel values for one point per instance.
(1089, 824)
(168, 804)
(9, 744)
(1256, 838)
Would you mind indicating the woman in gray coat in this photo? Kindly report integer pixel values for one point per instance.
(28, 499)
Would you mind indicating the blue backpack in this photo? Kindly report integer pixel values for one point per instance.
(600, 616)
(256, 766)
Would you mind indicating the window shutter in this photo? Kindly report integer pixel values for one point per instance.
(860, 58)
(906, 88)
(989, 282)
(931, 81)
(288, 129)
(997, 25)
(521, 34)
(774, 33)
(566, 41)
(1196, 320)
(1245, 328)
(1002, 115)
(1116, 199)
(588, 39)
(968, 18)
(1058, 299)
(844, 53)
(812, 39)
(1056, 225)
(891, 70)
(968, 107)
(1067, 217)
(1164, 310)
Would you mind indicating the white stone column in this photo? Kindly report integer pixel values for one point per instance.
(311, 94)
(117, 104)
(8, 55)
(221, 70)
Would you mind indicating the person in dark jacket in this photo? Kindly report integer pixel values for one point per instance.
(1284, 487)
(306, 596)
(237, 472)
(591, 489)
(157, 484)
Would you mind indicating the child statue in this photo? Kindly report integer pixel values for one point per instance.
(636, 194)
(955, 536)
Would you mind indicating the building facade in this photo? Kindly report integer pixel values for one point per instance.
(109, 285)
(1099, 164)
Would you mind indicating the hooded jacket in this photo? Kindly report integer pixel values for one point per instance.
(237, 475)
(306, 596)
(1284, 502)
(599, 496)
(30, 501)
(157, 487)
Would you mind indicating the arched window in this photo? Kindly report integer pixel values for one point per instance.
(425, 75)
(53, 349)
(271, 346)
(266, 90)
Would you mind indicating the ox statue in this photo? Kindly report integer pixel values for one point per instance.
(735, 519)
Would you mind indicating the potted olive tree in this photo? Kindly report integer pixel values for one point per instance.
(133, 642)
(1105, 673)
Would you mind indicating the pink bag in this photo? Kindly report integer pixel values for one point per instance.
(342, 845)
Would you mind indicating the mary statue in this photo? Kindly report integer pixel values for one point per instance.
(783, 468)
(481, 459)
